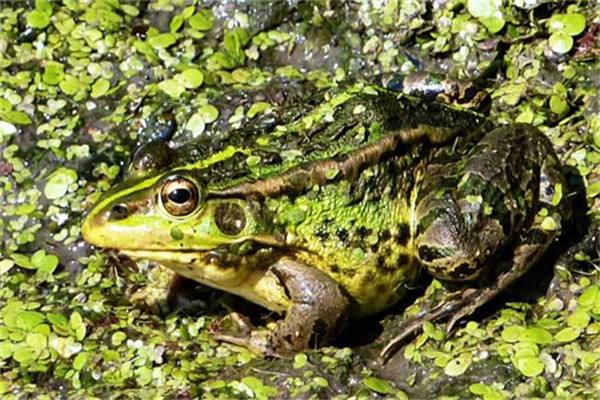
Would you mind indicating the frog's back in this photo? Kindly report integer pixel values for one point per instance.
(298, 140)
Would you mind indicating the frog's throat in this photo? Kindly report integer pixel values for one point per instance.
(185, 259)
(248, 278)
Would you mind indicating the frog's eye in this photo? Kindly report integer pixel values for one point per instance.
(179, 196)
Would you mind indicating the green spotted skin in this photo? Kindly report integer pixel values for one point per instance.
(369, 187)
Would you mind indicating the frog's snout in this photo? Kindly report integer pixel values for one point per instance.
(95, 225)
(89, 228)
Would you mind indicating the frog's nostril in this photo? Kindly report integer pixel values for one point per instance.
(118, 211)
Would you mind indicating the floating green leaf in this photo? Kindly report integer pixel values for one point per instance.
(70, 84)
(118, 338)
(378, 385)
(258, 108)
(567, 334)
(172, 87)
(58, 183)
(53, 73)
(27, 320)
(191, 78)
(176, 23)
(15, 117)
(36, 340)
(579, 319)
(549, 224)
(486, 392)
(80, 361)
(44, 6)
(7, 349)
(488, 12)
(209, 113)
(162, 41)
(220, 60)
(590, 297)
(22, 261)
(99, 88)
(571, 24)
(38, 19)
(458, 365)
(560, 42)
(202, 20)
(512, 334)
(196, 124)
(44, 262)
(59, 322)
(300, 360)
(77, 325)
(536, 335)
(25, 355)
(6, 265)
(259, 389)
(130, 10)
(530, 365)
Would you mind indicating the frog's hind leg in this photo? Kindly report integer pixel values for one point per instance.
(499, 207)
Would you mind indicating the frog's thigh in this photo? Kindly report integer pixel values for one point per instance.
(515, 168)
(317, 306)
(468, 210)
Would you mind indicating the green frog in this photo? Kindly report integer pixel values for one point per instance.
(330, 213)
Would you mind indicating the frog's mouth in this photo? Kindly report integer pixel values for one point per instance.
(221, 257)
(166, 257)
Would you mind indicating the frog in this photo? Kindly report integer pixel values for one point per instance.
(331, 213)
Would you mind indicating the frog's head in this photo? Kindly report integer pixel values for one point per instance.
(165, 213)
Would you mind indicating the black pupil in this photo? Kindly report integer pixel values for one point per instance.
(180, 196)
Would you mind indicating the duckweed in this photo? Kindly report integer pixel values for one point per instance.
(83, 83)
(562, 28)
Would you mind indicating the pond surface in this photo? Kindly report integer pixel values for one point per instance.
(82, 83)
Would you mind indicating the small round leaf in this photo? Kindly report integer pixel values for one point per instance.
(560, 42)
(38, 20)
(191, 78)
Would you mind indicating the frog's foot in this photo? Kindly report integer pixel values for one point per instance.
(576, 262)
(316, 307)
(237, 329)
(465, 301)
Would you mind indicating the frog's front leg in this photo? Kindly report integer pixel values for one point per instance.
(317, 306)
(499, 208)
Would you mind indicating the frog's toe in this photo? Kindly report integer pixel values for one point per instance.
(258, 342)
(411, 327)
(233, 325)
(468, 299)
(237, 329)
